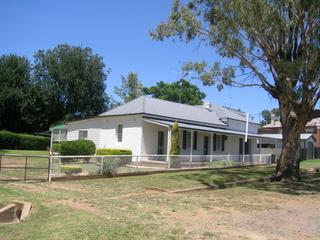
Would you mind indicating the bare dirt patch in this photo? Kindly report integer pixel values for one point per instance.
(291, 217)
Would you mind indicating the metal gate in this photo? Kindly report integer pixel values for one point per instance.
(24, 167)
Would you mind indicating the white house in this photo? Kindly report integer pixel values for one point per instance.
(144, 126)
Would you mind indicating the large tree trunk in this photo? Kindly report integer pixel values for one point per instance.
(293, 123)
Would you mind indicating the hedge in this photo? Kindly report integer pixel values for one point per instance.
(113, 151)
(11, 140)
(70, 169)
(78, 147)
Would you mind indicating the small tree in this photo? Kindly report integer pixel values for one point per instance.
(175, 140)
(130, 88)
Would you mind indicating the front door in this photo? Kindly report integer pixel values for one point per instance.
(246, 146)
(160, 150)
(205, 145)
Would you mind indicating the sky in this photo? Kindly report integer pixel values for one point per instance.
(119, 32)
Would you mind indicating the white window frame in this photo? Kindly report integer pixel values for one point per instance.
(118, 133)
(83, 131)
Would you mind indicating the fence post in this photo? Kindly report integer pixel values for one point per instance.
(0, 162)
(270, 156)
(101, 165)
(137, 161)
(50, 167)
(25, 168)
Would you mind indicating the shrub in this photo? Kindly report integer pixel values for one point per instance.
(112, 164)
(70, 169)
(78, 147)
(56, 147)
(175, 140)
(113, 151)
(11, 140)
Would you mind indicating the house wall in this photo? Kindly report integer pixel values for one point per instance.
(102, 131)
(150, 138)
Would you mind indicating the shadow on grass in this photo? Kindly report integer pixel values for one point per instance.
(310, 183)
(219, 176)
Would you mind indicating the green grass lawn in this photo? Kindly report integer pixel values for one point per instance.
(24, 152)
(122, 208)
(315, 163)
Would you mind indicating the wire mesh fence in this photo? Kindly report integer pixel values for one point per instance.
(24, 167)
(68, 166)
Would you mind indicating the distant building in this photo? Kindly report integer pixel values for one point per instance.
(309, 140)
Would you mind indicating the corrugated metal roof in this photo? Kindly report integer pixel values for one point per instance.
(303, 136)
(158, 107)
(313, 123)
(60, 126)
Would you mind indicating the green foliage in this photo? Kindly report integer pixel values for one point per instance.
(10, 140)
(78, 147)
(112, 164)
(73, 79)
(70, 169)
(265, 38)
(270, 44)
(180, 91)
(56, 147)
(64, 83)
(266, 115)
(130, 88)
(175, 140)
(14, 82)
(113, 151)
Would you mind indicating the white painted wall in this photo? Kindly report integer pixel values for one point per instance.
(142, 137)
(150, 138)
(102, 131)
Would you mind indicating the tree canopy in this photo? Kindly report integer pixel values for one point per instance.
(14, 83)
(63, 83)
(130, 88)
(267, 115)
(181, 91)
(274, 45)
(74, 81)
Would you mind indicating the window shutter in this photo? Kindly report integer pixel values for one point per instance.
(214, 142)
(184, 139)
(222, 144)
(195, 140)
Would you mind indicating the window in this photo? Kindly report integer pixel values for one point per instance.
(186, 139)
(195, 140)
(224, 138)
(218, 142)
(63, 134)
(206, 145)
(83, 134)
(119, 133)
(160, 142)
